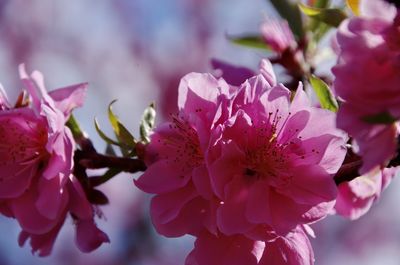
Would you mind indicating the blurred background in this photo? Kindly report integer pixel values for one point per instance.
(136, 51)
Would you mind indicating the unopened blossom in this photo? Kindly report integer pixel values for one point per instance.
(366, 80)
(293, 249)
(176, 172)
(356, 197)
(37, 187)
(278, 35)
(271, 163)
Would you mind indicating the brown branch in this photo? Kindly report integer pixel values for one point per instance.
(95, 160)
(348, 172)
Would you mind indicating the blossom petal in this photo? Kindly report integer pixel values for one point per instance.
(68, 98)
(162, 176)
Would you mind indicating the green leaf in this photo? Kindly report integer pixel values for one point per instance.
(147, 123)
(73, 125)
(380, 118)
(103, 135)
(330, 16)
(251, 41)
(291, 13)
(123, 135)
(321, 3)
(324, 94)
(319, 28)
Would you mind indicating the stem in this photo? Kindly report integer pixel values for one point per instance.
(348, 172)
(96, 160)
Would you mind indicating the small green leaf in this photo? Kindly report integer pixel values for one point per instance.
(380, 118)
(251, 41)
(73, 125)
(291, 13)
(324, 94)
(330, 16)
(103, 135)
(123, 135)
(147, 123)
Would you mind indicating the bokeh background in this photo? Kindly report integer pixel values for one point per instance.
(136, 51)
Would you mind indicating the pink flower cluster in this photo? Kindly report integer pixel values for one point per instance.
(37, 186)
(367, 78)
(244, 169)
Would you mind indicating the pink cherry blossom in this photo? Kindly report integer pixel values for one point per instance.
(367, 81)
(177, 174)
(356, 197)
(271, 163)
(293, 249)
(37, 186)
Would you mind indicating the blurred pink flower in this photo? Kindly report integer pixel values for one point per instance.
(37, 186)
(272, 162)
(293, 249)
(367, 81)
(356, 197)
(176, 172)
(278, 35)
(234, 75)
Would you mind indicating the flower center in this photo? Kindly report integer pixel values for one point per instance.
(183, 144)
(268, 155)
(23, 143)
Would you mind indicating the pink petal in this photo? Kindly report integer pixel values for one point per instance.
(50, 197)
(257, 208)
(29, 218)
(225, 250)
(351, 205)
(162, 176)
(199, 91)
(88, 236)
(267, 72)
(68, 98)
(166, 207)
(293, 249)
(201, 181)
(78, 204)
(225, 167)
(311, 185)
(41, 243)
(16, 179)
(195, 216)
(287, 214)
(4, 103)
(300, 100)
(231, 218)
